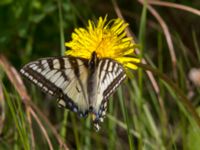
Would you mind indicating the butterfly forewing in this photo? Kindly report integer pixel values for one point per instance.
(109, 75)
(64, 77)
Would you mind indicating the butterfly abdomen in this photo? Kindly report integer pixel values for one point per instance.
(92, 80)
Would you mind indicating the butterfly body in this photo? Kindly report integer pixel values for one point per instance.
(80, 85)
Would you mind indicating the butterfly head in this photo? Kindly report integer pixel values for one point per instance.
(93, 61)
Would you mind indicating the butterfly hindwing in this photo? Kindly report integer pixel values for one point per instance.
(64, 77)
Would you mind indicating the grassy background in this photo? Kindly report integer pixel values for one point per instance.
(145, 113)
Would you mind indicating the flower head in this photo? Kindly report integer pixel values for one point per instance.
(107, 39)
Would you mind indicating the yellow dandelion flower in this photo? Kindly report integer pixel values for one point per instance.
(107, 39)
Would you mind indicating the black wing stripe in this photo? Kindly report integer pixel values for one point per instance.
(62, 62)
(50, 63)
(39, 80)
(102, 64)
(106, 69)
(115, 68)
(63, 65)
(74, 64)
(113, 86)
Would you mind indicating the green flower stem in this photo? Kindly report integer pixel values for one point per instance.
(63, 130)
(62, 37)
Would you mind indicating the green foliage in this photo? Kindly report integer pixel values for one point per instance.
(19, 121)
(193, 136)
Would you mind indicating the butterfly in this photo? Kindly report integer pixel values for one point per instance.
(80, 85)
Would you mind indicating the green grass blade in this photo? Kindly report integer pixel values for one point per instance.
(18, 117)
(125, 116)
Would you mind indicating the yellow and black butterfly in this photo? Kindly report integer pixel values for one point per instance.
(81, 85)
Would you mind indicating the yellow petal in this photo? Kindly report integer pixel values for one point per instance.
(107, 39)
